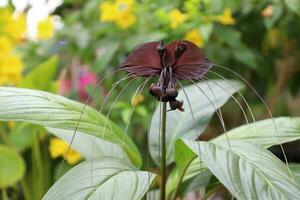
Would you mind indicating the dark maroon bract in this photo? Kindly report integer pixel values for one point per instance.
(180, 60)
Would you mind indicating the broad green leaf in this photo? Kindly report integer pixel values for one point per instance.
(112, 179)
(248, 171)
(12, 167)
(55, 111)
(293, 5)
(89, 146)
(188, 166)
(153, 194)
(264, 133)
(183, 157)
(260, 133)
(192, 177)
(42, 76)
(180, 124)
(21, 136)
(295, 167)
(201, 181)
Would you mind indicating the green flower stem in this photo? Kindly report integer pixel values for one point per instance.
(3, 136)
(4, 194)
(163, 167)
(26, 190)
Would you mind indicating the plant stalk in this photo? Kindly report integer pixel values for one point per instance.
(163, 167)
(4, 194)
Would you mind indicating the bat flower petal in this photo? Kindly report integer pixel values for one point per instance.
(192, 64)
(144, 60)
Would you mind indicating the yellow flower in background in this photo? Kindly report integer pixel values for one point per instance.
(195, 37)
(45, 28)
(15, 26)
(5, 16)
(10, 63)
(12, 25)
(5, 45)
(107, 11)
(137, 99)
(226, 18)
(12, 29)
(58, 148)
(120, 12)
(176, 18)
(126, 20)
(73, 157)
(125, 3)
(11, 68)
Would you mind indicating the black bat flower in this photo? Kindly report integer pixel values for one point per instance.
(180, 60)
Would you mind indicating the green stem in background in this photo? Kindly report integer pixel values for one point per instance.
(37, 166)
(163, 167)
(26, 190)
(3, 135)
(4, 194)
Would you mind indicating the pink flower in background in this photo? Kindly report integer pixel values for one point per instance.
(76, 81)
(86, 78)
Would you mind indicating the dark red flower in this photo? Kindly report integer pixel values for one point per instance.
(180, 60)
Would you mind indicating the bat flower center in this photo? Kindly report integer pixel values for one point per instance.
(165, 89)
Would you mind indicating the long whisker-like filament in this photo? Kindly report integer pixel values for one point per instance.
(260, 98)
(269, 111)
(241, 95)
(139, 89)
(148, 145)
(231, 96)
(114, 102)
(110, 91)
(81, 113)
(219, 113)
(111, 107)
(251, 113)
(227, 138)
(214, 107)
(106, 118)
(194, 125)
(159, 134)
(100, 111)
